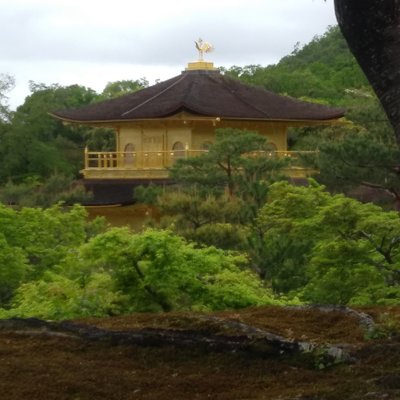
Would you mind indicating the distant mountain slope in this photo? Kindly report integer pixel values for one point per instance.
(323, 70)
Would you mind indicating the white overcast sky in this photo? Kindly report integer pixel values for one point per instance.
(92, 42)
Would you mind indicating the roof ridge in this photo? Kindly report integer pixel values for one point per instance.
(153, 97)
(236, 94)
(187, 93)
(184, 103)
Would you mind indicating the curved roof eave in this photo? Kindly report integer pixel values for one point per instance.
(199, 117)
(207, 95)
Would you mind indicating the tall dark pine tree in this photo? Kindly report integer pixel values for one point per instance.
(372, 31)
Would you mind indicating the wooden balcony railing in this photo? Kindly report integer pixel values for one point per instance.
(141, 163)
(161, 159)
(136, 159)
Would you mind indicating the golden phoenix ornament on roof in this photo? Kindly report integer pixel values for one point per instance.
(203, 47)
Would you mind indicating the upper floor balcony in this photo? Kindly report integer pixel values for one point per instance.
(154, 164)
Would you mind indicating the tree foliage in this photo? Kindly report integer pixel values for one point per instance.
(33, 192)
(55, 264)
(35, 144)
(236, 158)
(219, 192)
(38, 144)
(33, 241)
(313, 246)
(7, 83)
(161, 271)
(322, 69)
(120, 88)
(360, 160)
(330, 248)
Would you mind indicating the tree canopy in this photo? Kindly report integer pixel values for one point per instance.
(34, 144)
(7, 83)
(330, 248)
(321, 70)
(58, 265)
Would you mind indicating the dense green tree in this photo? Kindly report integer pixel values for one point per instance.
(284, 251)
(33, 241)
(329, 248)
(120, 272)
(219, 192)
(209, 219)
(172, 274)
(361, 160)
(34, 143)
(361, 154)
(322, 69)
(7, 83)
(55, 296)
(99, 139)
(13, 271)
(34, 112)
(236, 159)
(119, 88)
(33, 192)
(364, 110)
(44, 235)
(38, 144)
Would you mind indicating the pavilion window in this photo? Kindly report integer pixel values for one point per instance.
(130, 155)
(178, 150)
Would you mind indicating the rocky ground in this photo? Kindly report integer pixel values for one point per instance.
(259, 353)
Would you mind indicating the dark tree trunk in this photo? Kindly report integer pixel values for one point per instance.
(372, 31)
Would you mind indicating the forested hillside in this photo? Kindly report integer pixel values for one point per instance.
(323, 70)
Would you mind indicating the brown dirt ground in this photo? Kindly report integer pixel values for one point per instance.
(36, 366)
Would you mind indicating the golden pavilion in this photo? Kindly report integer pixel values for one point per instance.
(178, 117)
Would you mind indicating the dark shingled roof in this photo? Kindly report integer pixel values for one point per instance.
(203, 93)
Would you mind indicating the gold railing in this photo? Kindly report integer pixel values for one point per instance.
(154, 164)
(161, 159)
(136, 159)
(295, 157)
